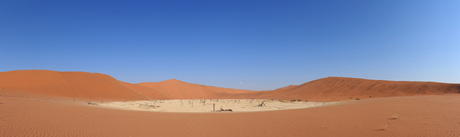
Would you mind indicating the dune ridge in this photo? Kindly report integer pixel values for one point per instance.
(176, 89)
(86, 85)
(341, 88)
(73, 85)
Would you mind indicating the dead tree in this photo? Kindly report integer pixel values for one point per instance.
(261, 104)
(221, 109)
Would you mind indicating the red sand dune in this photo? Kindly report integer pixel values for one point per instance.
(431, 115)
(339, 88)
(99, 86)
(81, 85)
(175, 89)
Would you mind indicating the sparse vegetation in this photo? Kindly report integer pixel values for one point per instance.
(394, 117)
(293, 100)
(358, 99)
(261, 104)
(299, 100)
(221, 109)
(384, 127)
(91, 103)
(370, 96)
(351, 97)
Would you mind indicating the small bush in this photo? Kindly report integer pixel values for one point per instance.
(293, 100)
(394, 117)
(351, 97)
(370, 96)
(358, 99)
(299, 100)
(384, 127)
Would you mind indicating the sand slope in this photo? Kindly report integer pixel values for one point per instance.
(176, 89)
(100, 86)
(73, 85)
(428, 115)
(435, 115)
(333, 88)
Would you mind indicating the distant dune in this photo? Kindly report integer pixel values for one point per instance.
(85, 85)
(81, 85)
(176, 89)
(339, 88)
(31, 115)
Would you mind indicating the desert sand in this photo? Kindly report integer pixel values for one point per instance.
(340, 88)
(96, 86)
(50, 103)
(176, 89)
(72, 85)
(433, 115)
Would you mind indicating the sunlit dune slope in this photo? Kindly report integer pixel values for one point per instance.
(100, 86)
(175, 89)
(73, 85)
(339, 88)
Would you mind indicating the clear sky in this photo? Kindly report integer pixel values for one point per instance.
(248, 44)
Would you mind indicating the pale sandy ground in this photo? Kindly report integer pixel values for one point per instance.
(414, 116)
(212, 105)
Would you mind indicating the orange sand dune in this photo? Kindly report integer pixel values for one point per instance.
(81, 85)
(326, 89)
(175, 89)
(339, 88)
(99, 86)
(430, 115)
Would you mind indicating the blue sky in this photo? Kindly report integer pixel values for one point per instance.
(255, 45)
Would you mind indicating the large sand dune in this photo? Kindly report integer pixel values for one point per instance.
(81, 85)
(176, 89)
(85, 85)
(339, 88)
(53, 115)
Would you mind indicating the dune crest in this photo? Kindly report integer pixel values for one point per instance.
(176, 89)
(100, 86)
(341, 88)
(72, 84)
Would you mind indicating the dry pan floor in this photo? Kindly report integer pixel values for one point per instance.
(211, 105)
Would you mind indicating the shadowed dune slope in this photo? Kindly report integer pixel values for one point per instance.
(175, 89)
(81, 85)
(333, 88)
